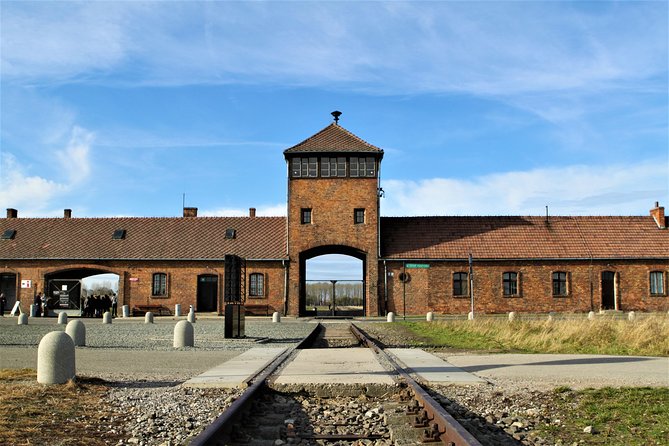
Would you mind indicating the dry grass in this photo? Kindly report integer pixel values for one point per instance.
(60, 415)
(647, 336)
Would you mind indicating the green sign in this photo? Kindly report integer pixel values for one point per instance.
(416, 265)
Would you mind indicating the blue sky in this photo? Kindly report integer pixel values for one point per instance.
(482, 108)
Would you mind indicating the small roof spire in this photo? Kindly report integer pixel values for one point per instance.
(336, 115)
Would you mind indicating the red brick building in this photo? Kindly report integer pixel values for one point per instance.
(410, 264)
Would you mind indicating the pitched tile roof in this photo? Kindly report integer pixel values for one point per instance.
(522, 238)
(333, 138)
(146, 238)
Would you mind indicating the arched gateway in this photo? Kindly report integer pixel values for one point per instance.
(333, 207)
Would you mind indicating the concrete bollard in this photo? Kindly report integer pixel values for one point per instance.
(276, 317)
(591, 315)
(77, 331)
(148, 318)
(430, 316)
(106, 318)
(470, 316)
(55, 358)
(126, 310)
(23, 319)
(62, 318)
(177, 310)
(390, 317)
(183, 334)
(191, 316)
(550, 317)
(33, 310)
(631, 316)
(512, 316)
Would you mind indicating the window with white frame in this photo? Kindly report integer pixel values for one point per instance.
(657, 287)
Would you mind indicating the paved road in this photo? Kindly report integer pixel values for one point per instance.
(576, 371)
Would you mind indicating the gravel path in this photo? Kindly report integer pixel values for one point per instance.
(145, 374)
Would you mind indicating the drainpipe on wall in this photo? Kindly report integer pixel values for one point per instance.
(285, 287)
(385, 288)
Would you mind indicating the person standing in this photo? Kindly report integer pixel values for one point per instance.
(37, 304)
(114, 305)
(45, 310)
(3, 302)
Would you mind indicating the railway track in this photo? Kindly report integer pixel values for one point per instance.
(405, 414)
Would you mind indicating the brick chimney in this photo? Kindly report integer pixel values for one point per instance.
(252, 212)
(12, 213)
(190, 212)
(658, 215)
(67, 213)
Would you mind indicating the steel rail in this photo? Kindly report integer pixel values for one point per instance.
(219, 430)
(443, 427)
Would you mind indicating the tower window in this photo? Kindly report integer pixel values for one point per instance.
(305, 216)
(359, 216)
(363, 167)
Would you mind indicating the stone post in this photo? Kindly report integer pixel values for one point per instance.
(183, 334)
(390, 317)
(591, 315)
(470, 316)
(23, 319)
(191, 316)
(55, 358)
(177, 310)
(33, 310)
(512, 316)
(430, 316)
(62, 318)
(126, 311)
(148, 318)
(631, 316)
(106, 318)
(77, 331)
(276, 317)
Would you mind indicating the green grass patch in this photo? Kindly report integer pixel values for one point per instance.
(646, 337)
(620, 416)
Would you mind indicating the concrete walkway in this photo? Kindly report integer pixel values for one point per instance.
(431, 369)
(576, 371)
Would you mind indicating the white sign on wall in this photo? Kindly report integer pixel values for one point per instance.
(26, 284)
(63, 287)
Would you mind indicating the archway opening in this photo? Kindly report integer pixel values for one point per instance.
(333, 283)
(83, 292)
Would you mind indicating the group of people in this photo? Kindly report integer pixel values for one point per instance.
(97, 305)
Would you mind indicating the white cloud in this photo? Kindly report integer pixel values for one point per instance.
(572, 190)
(277, 210)
(501, 48)
(33, 194)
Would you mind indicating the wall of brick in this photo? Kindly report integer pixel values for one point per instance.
(333, 201)
(135, 281)
(432, 289)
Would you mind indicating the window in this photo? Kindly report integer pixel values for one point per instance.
(159, 284)
(305, 216)
(359, 216)
(510, 284)
(460, 284)
(560, 284)
(118, 234)
(304, 167)
(257, 285)
(657, 283)
(9, 234)
(363, 167)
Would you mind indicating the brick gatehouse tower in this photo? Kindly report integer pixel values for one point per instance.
(333, 208)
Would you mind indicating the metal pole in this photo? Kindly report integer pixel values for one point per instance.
(333, 296)
(471, 282)
(404, 291)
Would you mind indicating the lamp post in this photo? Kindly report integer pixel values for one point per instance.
(333, 296)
